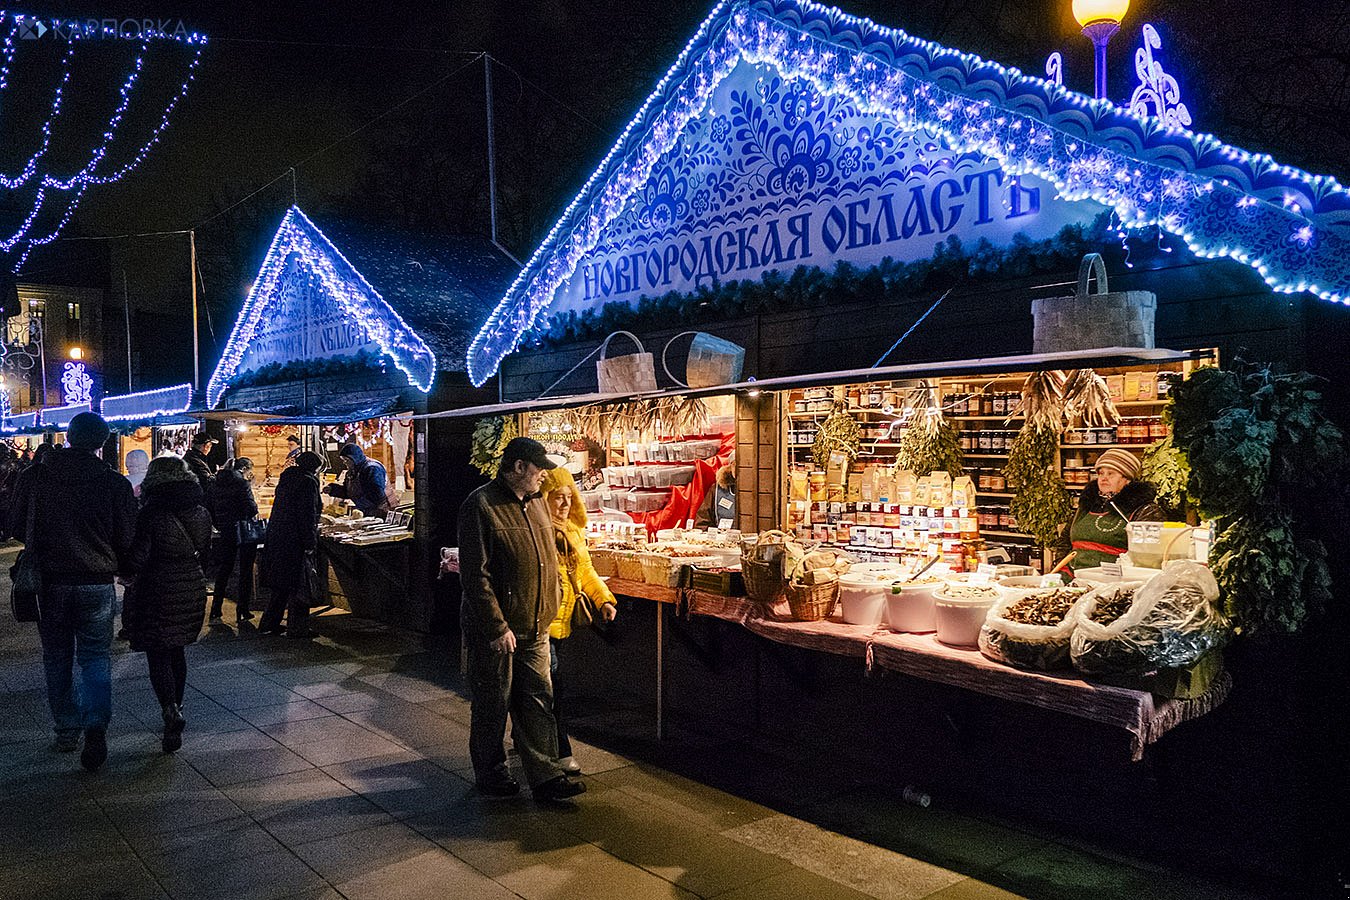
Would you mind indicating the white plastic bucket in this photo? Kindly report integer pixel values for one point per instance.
(912, 608)
(862, 599)
(959, 620)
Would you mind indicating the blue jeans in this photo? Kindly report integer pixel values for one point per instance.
(77, 624)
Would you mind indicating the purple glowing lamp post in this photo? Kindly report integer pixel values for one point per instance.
(1100, 20)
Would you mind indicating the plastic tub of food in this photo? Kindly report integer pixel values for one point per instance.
(862, 598)
(961, 610)
(910, 606)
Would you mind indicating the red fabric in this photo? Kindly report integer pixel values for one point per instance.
(685, 499)
(1099, 548)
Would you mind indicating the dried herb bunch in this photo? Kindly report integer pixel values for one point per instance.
(839, 433)
(1165, 467)
(1042, 403)
(1087, 397)
(930, 443)
(1270, 469)
(1041, 504)
(490, 437)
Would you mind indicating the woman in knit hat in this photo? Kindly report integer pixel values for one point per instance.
(577, 576)
(1097, 532)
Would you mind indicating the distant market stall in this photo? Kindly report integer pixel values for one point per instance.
(346, 334)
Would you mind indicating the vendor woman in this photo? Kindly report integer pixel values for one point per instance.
(1097, 532)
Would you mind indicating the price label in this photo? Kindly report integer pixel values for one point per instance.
(1051, 581)
(1112, 570)
(981, 578)
(987, 569)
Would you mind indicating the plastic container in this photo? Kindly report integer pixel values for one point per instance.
(912, 608)
(862, 598)
(959, 619)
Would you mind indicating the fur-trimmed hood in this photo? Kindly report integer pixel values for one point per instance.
(1129, 500)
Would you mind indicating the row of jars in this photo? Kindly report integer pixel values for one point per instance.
(988, 479)
(1133, 430)
(987, 403)
(985, 440)
(995, 517)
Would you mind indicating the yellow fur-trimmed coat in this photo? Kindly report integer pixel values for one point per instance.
(575, 571)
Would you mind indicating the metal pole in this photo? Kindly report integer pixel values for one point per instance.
(196, 349)
(491, 147)
(1100, 33)
(126, 311)
(660, 670)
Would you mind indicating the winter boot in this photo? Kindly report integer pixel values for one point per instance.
(173, 727)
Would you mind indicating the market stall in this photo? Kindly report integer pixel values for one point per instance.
(931, 383)
(345, 336)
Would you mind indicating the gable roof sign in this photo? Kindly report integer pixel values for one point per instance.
(1292, 227)
(300, 248)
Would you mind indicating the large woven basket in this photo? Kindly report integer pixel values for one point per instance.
(763, 580)
(602, 559)
(812, 602)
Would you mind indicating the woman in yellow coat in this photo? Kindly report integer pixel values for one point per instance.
(577, 576)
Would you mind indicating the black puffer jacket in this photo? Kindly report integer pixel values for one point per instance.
(231, 500)
(166, 602)
(84, 517)
(292, 529)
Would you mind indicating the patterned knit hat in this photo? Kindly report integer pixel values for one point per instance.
(1123, 461)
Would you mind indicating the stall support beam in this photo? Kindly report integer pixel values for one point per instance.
(660, 671)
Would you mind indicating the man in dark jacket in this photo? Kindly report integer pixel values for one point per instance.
(364, 483)
(509, 568)
(199, 465)
(84, 519)
(232, 502)
(288, 549)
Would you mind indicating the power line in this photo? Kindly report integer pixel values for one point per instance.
(546, 94)
(345, 45)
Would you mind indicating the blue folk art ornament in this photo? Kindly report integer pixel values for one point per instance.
(1221, 201)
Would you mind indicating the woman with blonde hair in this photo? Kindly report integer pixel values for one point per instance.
(578, 577)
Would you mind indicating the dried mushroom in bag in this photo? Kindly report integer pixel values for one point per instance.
(1032, 629)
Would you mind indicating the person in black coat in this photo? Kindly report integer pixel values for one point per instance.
(292, 536)
(164, 605)
(232, 502)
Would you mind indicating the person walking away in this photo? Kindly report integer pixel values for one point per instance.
(232, 502)
(364, 483)
(167, 597)
(293, 450)
(14, 524)
(9, 477)
(197, 462)
(288, 549)
(79, 526)
(138, 461)
(509, 572)
(578, 579)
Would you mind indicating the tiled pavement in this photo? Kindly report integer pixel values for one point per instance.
(339, 768)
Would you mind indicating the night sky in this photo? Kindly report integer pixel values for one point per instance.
(281, 82)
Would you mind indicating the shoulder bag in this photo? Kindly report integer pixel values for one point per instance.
(250, 531)
(25, 576)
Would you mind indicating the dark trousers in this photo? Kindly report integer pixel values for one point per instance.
(517, 684)
(168, 674)
(230, 550)
(294, 603)
(564, 745)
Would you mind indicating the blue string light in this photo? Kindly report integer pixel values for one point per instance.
(1150, 172)
(73, 187)
(166, 401)
(341, 283)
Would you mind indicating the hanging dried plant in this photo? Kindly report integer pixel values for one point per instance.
(839, 433)
(1041, 503)
(1042, 403)
(490, 437)
(1087, 397)
(930, 443)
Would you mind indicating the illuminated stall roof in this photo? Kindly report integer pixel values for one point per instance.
(407, 298)
(1290, 226)
(148, 406)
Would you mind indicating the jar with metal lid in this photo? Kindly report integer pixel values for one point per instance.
(1157, 429)
(986, 441)
(1073, 436)
(1000, 402)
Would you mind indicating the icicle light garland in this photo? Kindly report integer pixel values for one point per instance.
(167, 401)
(75, 32)
(1192, 185)
(343, 284)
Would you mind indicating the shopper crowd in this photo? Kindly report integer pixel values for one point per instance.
(528, 582)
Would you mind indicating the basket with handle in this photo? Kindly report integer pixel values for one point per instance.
(763, 580)
(631, 374)
(812, 602)
(1093, 319)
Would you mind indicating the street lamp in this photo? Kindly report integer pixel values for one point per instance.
(77, 353)
(1100, 20)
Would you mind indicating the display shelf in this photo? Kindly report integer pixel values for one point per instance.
(1003, 494)
(989, 532)
(1107, 446)
(991, 455)
(985, 418)
(1137, 403)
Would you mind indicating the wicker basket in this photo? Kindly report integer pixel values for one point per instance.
(628, 565)
(763, 580)
(812, 602)
(665, 570)
(602, 558)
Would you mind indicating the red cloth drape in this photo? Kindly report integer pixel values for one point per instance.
(685, 499)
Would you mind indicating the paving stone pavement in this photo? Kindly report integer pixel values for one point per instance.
(338, 768)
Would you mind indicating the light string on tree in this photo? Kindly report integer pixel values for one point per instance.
(1189, 184)
(73, 187)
